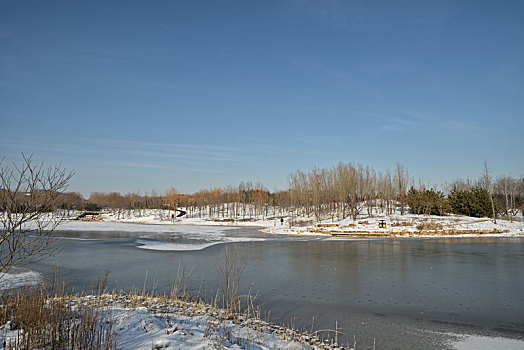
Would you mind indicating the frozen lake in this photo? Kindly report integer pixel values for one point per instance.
(404, 293)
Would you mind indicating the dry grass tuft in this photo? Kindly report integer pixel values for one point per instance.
(510, 218)
(401, 223)
(32, 319)
(429, 225)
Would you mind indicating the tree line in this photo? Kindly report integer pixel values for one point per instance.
(343, 190)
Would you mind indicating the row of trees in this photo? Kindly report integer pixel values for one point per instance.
(348, 189)
(343, 190)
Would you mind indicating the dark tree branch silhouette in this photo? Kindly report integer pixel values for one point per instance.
(30, 196)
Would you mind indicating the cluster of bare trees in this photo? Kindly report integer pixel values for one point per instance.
(350, 189)
(343, 190)
(509, 195)
(347, 189)
(242, 201)
(126, 201)
(232, 202)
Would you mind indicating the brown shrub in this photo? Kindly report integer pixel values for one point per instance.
(54, 322)
(429, 225)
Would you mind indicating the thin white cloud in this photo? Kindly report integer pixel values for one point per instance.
(137, 165)
(148, 155)
(207, 171)
(409, 119)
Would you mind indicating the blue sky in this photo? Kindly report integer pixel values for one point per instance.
(143, 95)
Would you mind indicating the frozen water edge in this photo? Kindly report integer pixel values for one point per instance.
(174, 237)
(145, 322)
(19, 279)
(109, 226)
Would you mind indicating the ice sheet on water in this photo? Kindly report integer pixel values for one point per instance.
(138, 227)
(76, 238)
(195, 245)
(173, 246)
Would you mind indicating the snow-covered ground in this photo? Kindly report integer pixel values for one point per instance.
(140, 328)
(411, 226)
(143, 322)
(163, 217)
(396, 225)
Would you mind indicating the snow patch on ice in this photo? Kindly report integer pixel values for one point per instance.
(166, 246)
(76, 238)
(474, 342)
(174, 246)
(19, 279)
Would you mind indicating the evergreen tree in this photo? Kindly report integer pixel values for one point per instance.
(428, 202)
(475, 202)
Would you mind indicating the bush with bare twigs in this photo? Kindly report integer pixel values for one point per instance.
(231, 265)
(35, 320)
(30, 195)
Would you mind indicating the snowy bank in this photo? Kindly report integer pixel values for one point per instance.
(145, 322)
(408, 225)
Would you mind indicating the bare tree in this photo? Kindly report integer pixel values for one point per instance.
(506, 195)
(171, 198)
(30, 195)
(401, 181)
(487, 183)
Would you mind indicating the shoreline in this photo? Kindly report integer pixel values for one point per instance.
(145, 321)
(480, 228)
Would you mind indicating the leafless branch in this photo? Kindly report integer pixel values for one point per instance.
(29, 201)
